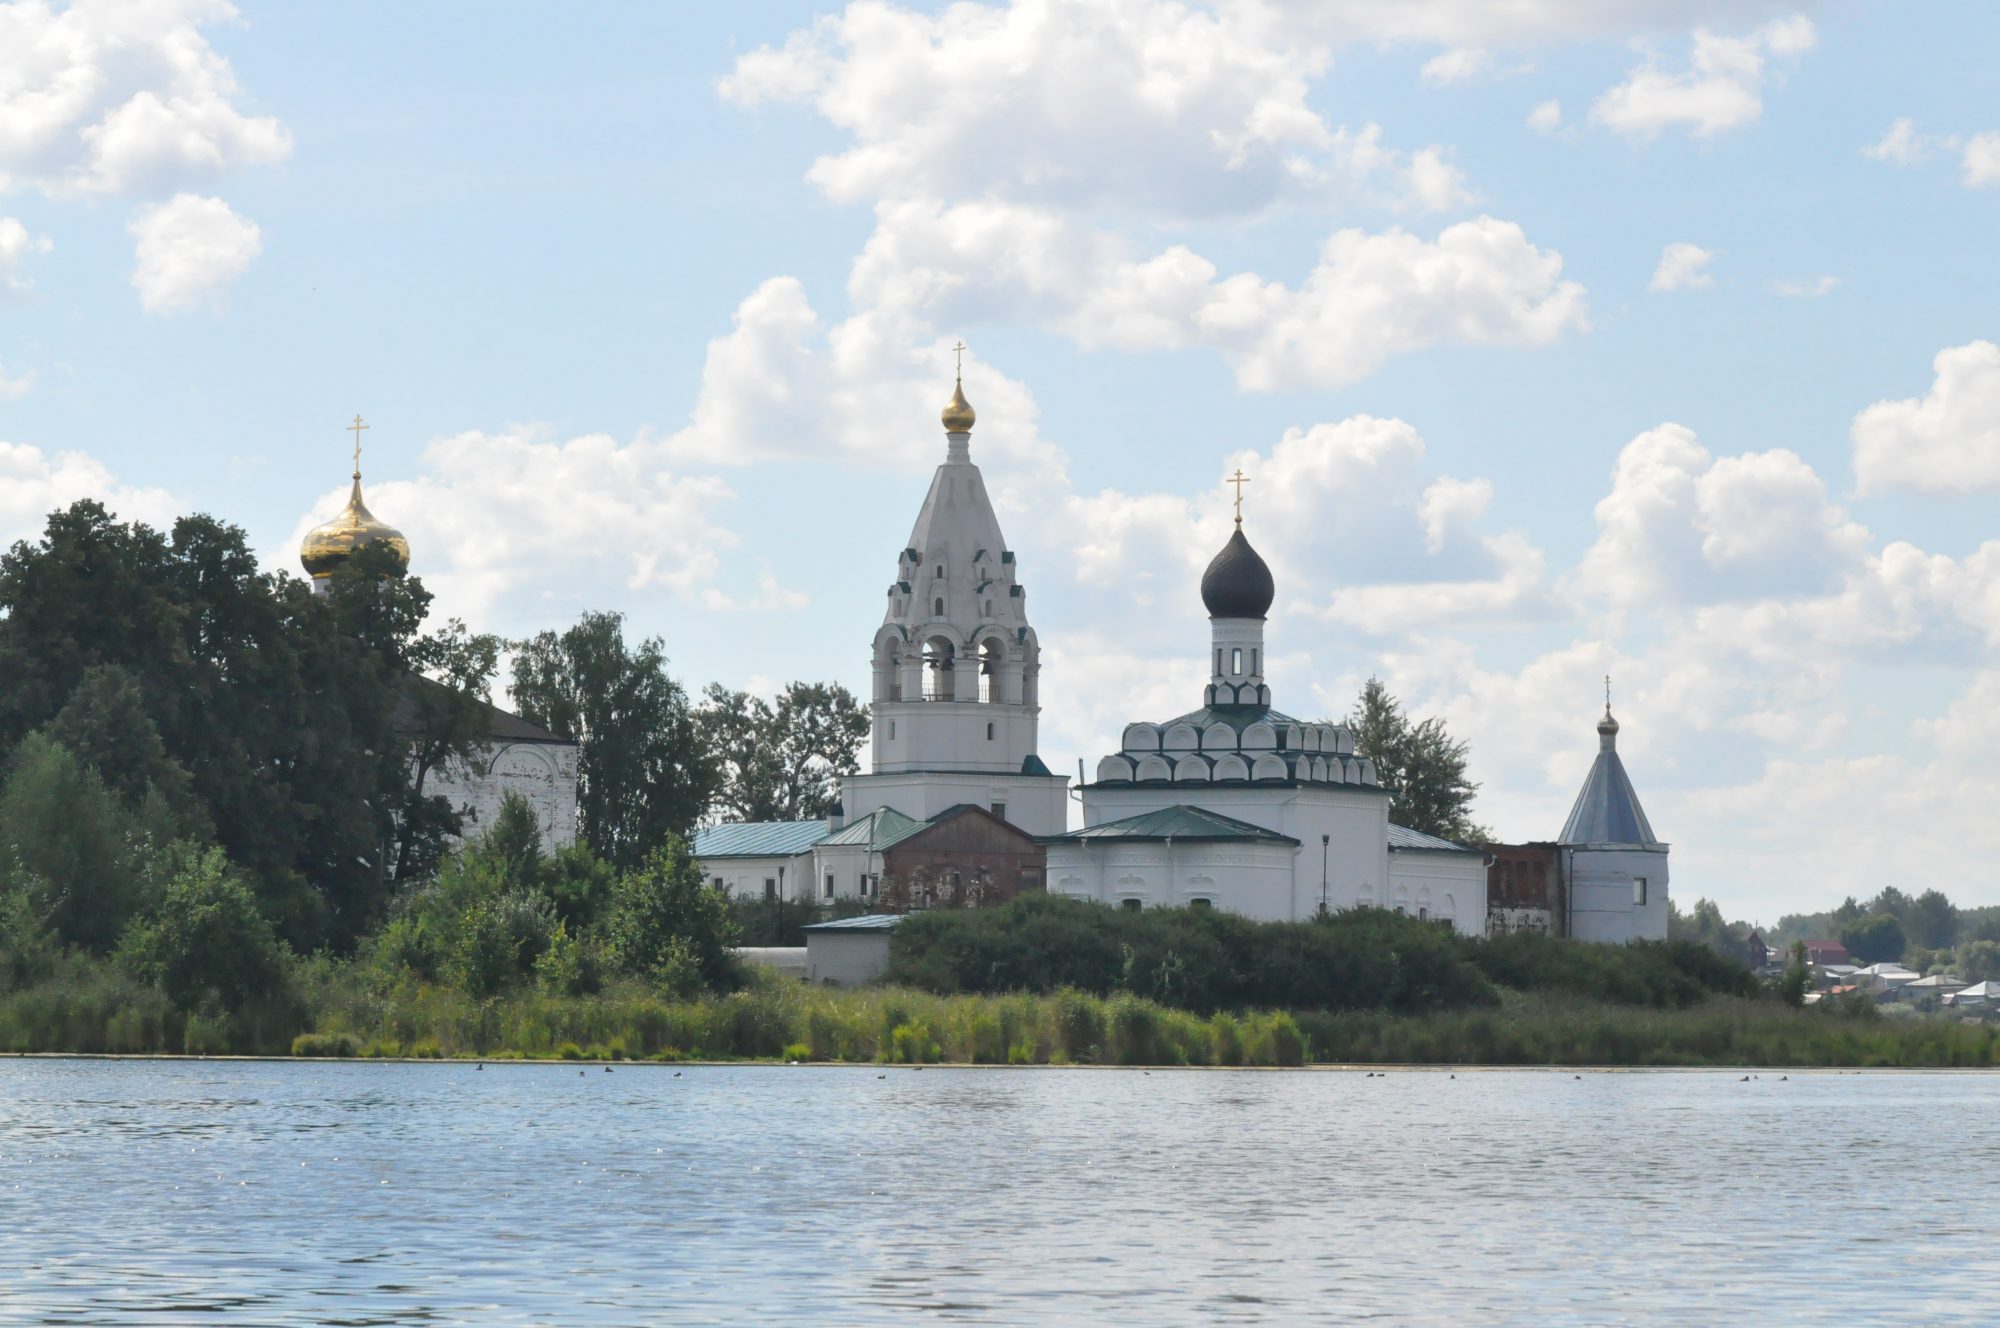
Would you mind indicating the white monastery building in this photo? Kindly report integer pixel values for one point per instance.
(1234, 804)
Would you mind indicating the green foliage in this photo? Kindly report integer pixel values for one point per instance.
(1195, 959)
(326, 1044)
(81, 858)
(29, 947)
(206, 945)
(1660, 974)
(643, 772)
(571, 965)
(782, 762)
(1421, 765)
(1792, 986)
(1978, 961)
(1874, 939)
(778, 921)
(668, 925)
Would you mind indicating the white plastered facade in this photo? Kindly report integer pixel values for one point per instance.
(543, 773)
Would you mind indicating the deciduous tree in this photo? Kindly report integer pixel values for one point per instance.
(1421, 765)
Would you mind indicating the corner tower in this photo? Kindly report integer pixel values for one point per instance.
(1615, 866)
(956, 666)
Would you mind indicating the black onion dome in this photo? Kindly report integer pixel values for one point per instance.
(1237, 584)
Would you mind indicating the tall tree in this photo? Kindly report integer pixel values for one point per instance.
(783, 762)
(445, 716)
(1421, 765)
(642, 769)
(1931, 920)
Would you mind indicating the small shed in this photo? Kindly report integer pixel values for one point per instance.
(849, 951)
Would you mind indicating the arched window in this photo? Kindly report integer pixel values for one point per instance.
(1131, 905)
(991, 655)
(937, 608)
(989, 731)
(937, 573)
(1236, 661)
(1201, 903)
(940, 673)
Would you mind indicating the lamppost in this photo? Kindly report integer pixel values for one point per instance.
(1324, 842)
(778, 922)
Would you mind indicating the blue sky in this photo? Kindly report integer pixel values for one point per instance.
(648, 305)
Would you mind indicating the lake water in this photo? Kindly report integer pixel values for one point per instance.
(274, 1193)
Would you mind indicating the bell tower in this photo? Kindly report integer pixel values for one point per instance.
(956, 666)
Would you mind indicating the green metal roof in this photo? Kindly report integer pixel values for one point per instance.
(758, 839)
(1238, 717)
(877, 830)
(1402, 837)
(1182, 822)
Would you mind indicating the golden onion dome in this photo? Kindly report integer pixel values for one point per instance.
(327, 547)
(958, 414)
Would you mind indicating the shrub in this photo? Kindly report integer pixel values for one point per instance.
(207, 945)
(796, 1051)
(326, 1044)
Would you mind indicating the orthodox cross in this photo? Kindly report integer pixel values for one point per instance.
(1239, 479)
(958, 355)
(355, 429)
(1607, 693)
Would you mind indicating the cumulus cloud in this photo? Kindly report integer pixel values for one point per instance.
(34, 483)
(1153, 108)
(1547, 117)
(499, 521)
(15, 246)
(1980, 160)
(1946, 441)
(1804, 288)
(1721, 89)
(104, 97)
(1461, 64)
(1901, 146)
(189, 249)
(1682, 267)
(1682, 526)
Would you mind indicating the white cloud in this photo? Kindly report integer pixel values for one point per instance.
(110, 97)
(1682, 267)
(1804, 288)
(1450, 503)
(1947, 441)
(15, 387)
(1681, 526)
(1460, 64)
(15, 246)
(1721, 89)
(1514, 22)
(1980, 159)
(189, 249)
(577, 514)
(1547, 117)
(1901, 146)
(33, 484)
(1151, 109)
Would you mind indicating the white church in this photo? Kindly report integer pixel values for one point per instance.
(1234, 804)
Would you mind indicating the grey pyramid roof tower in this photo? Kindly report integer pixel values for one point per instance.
(1608, 811)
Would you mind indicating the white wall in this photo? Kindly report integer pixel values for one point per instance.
(849, 956)
(743, 878)
(1601, 904)
(1446, 885)
(1038, 804)
(1254, 880)
(543, 773)
(1355, 819)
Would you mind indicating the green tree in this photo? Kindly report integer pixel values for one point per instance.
(1977, 961)
(1706, 926)
(1931, 920)
(1874, 939)
(1792, 986)
(642, 769)
(445, 716)
(276, 702)
(668, 925)
(783, 762)
(104, 724)
(1421, 765)
(67, 844)
(207, 946)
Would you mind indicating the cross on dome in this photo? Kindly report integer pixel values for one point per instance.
(355, 429)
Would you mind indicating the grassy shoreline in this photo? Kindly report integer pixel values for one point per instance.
(774, 1020)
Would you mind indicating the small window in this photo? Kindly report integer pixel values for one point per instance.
(717, 882)
(1236, 662)
(1000, 811)
(937, 573)
(770, 887)
(829, 885)
(937, 607)
(1131, 905)
(1423, 913)
(1638, 892)
(1201, 903)
(1253, 659)
(1218, 659)
(989, 730)
(892, 729)
(989, 608)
